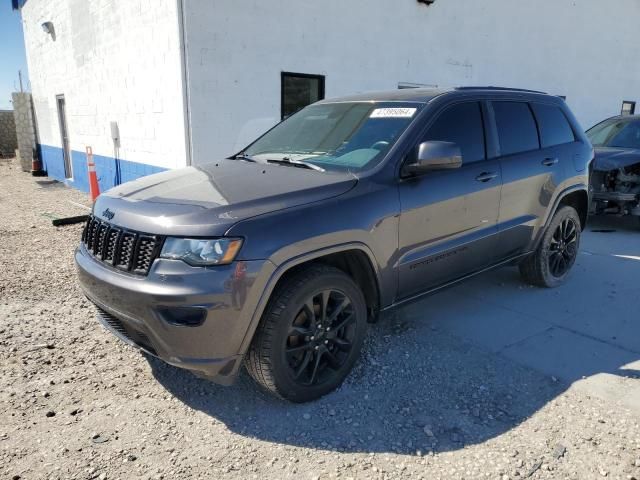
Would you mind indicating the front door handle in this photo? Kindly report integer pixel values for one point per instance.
(549, 162)
(486, 177)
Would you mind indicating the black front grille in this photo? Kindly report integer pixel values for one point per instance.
(126, 250)
(112, 242)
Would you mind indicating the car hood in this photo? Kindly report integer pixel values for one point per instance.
(208, 199)
(610, 158)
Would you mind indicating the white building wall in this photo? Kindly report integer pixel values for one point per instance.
(587, 50)
(114, 60)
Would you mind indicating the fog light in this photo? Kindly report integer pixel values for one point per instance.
(183, 316)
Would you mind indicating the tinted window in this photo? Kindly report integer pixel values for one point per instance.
(461, 124)
(554, 126)
(516, 127)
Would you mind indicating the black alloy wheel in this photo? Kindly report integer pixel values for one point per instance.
(563, 248)
(310, 335)
(320, 338)
(551, 262)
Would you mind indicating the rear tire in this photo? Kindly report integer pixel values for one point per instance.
(550, 264)
(310, 335)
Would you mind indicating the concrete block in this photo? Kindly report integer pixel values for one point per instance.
(8, 139)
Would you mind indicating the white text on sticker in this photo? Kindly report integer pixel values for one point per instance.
(393, 113)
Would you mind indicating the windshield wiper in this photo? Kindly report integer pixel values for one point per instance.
(296, 163)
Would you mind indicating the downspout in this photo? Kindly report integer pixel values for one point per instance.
(186, 97)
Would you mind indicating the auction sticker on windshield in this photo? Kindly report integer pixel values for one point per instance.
(393, 113)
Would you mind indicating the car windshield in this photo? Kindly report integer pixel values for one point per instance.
(620, 133)
(351, 136)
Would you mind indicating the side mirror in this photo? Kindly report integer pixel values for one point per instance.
(435, 155)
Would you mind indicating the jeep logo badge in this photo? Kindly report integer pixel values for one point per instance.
(108, 214)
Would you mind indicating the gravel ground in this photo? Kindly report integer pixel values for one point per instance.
(77, 403)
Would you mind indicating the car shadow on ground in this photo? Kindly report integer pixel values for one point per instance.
(420, 385)
(401, 398)
(612, 223)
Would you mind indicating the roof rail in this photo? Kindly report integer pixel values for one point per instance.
(503, 89)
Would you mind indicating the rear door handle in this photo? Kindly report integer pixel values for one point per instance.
(486, 176)
(549, 162)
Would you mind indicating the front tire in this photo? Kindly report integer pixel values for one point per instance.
(310, 335)
(550, 264)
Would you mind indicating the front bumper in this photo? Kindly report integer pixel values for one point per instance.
(134, 309)
(615, 197)
(615, 203)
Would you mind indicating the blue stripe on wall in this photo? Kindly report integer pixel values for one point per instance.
(110, 171)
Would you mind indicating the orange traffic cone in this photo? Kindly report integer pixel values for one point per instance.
(94, 188)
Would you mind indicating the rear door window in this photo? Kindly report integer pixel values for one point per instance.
(554, 126)
(461, 124)
(517, 130)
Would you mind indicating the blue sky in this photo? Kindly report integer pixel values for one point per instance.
(12, 56)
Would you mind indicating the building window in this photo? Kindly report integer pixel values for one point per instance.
(300, 90)
(628, 108)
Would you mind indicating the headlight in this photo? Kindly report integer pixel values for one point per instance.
(201, 252)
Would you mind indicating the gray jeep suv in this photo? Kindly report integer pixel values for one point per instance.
(278, 257)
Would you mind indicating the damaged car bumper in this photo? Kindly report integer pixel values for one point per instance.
(615, 184)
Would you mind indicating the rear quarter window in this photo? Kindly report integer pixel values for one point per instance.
(553, 124)
(517, 130)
